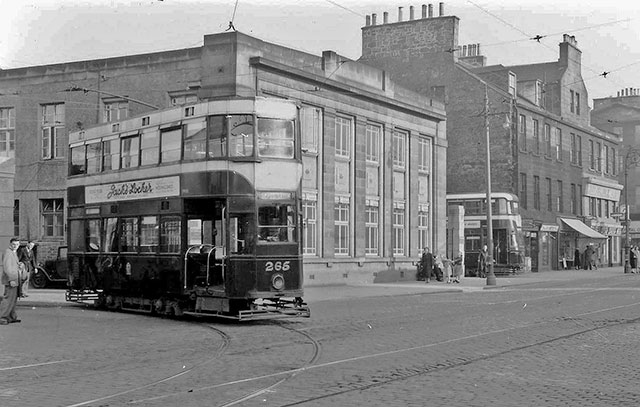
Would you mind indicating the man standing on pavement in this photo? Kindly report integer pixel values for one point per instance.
(483, 258)
(28, 257)
(11, 280)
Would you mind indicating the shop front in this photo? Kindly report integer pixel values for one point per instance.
(577, 239)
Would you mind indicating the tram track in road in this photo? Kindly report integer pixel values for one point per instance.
(224, 345)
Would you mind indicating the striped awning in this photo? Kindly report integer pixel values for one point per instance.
(581, 228)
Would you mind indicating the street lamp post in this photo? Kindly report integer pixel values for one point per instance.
(631, 158)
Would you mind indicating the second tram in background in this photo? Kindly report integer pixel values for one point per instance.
(508, 238)
(193, 209)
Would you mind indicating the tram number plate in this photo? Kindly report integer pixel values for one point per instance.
(272, 266)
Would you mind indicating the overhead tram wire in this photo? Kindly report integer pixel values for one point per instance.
(345, 8)
(530, 37)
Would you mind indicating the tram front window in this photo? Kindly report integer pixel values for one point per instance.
(276, 223)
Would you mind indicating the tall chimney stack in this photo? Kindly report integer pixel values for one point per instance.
(430, 10)
(424, 11)
(373, 18)
(399, 14)
(441, 9)
(385, 17)
(411, 13)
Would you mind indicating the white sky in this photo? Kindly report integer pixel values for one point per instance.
(38, 32)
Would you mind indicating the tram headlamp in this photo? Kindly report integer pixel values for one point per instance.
(277, 281)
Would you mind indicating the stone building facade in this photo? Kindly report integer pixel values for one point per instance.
(374, 152)
(542, 145)
(620, 115)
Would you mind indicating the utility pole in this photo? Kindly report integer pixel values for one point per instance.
(491, 278)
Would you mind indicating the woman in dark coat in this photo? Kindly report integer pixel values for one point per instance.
(426, 264)
(576, 259)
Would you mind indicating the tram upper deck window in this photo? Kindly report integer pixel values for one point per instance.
(94, 158)
(515, 209)
(275, 138)
(195, 140)
(110, 154)
(130, 152)
(240, 135)
(276, 223)
(149, 147)
(217, 136)
(170, 145)
(77, 165)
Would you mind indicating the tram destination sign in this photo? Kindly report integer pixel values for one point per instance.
(139, 189)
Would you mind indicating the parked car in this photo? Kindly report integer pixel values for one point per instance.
(52, 272)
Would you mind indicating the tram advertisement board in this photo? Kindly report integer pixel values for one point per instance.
(139, 189)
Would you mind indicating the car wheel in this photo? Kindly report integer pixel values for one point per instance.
(38, 280)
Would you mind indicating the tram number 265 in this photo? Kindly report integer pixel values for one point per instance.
(271, 266)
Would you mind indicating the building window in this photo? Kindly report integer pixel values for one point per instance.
(592, 155)
(598, 158)
(16, 217)
(522, 132)
(573, 204)
(51, 213)
(580, 213)
(558, 141)
(311, 119)
(52, 130)
(399, 149)
(423, 226)
(372, 221)
(424, 154)
(549, 195)
(512, 86)
(523, 190)
(536, 192)
(577, 103)
(607, 159)
(310, 209)
(115, 111)
(343, 137)
(398, 230)
(560, 198)
(536, 136)
(547, 140)
(341, 230)
(372, 148)
(7, 132)
(573, 101)
(614, 169)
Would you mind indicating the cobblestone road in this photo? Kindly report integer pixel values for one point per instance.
(560, 343)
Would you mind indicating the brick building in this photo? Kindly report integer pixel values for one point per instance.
(543, 147)
(374, 152)
(620, 115)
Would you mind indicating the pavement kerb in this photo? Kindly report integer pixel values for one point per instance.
(56, 297)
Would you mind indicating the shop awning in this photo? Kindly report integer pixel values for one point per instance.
(581, 228)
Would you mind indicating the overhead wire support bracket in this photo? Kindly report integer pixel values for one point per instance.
(75, 88)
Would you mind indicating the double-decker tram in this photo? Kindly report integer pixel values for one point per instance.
(508, 239)
(189, 210)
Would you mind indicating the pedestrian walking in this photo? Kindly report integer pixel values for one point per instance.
(589, 258)
(426, 264)
(438, 266)
(10, 278)
(576, 259)
(447, 269)
(28, 257)
(482, 262)
(458, 269)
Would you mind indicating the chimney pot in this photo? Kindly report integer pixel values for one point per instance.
(368, 20)
(411, 13)
(430, 10)
(385, 17)
(399, 14)
(373, 18)
(464, 50)
(424, 11)
(478, 49)
(441, 9)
